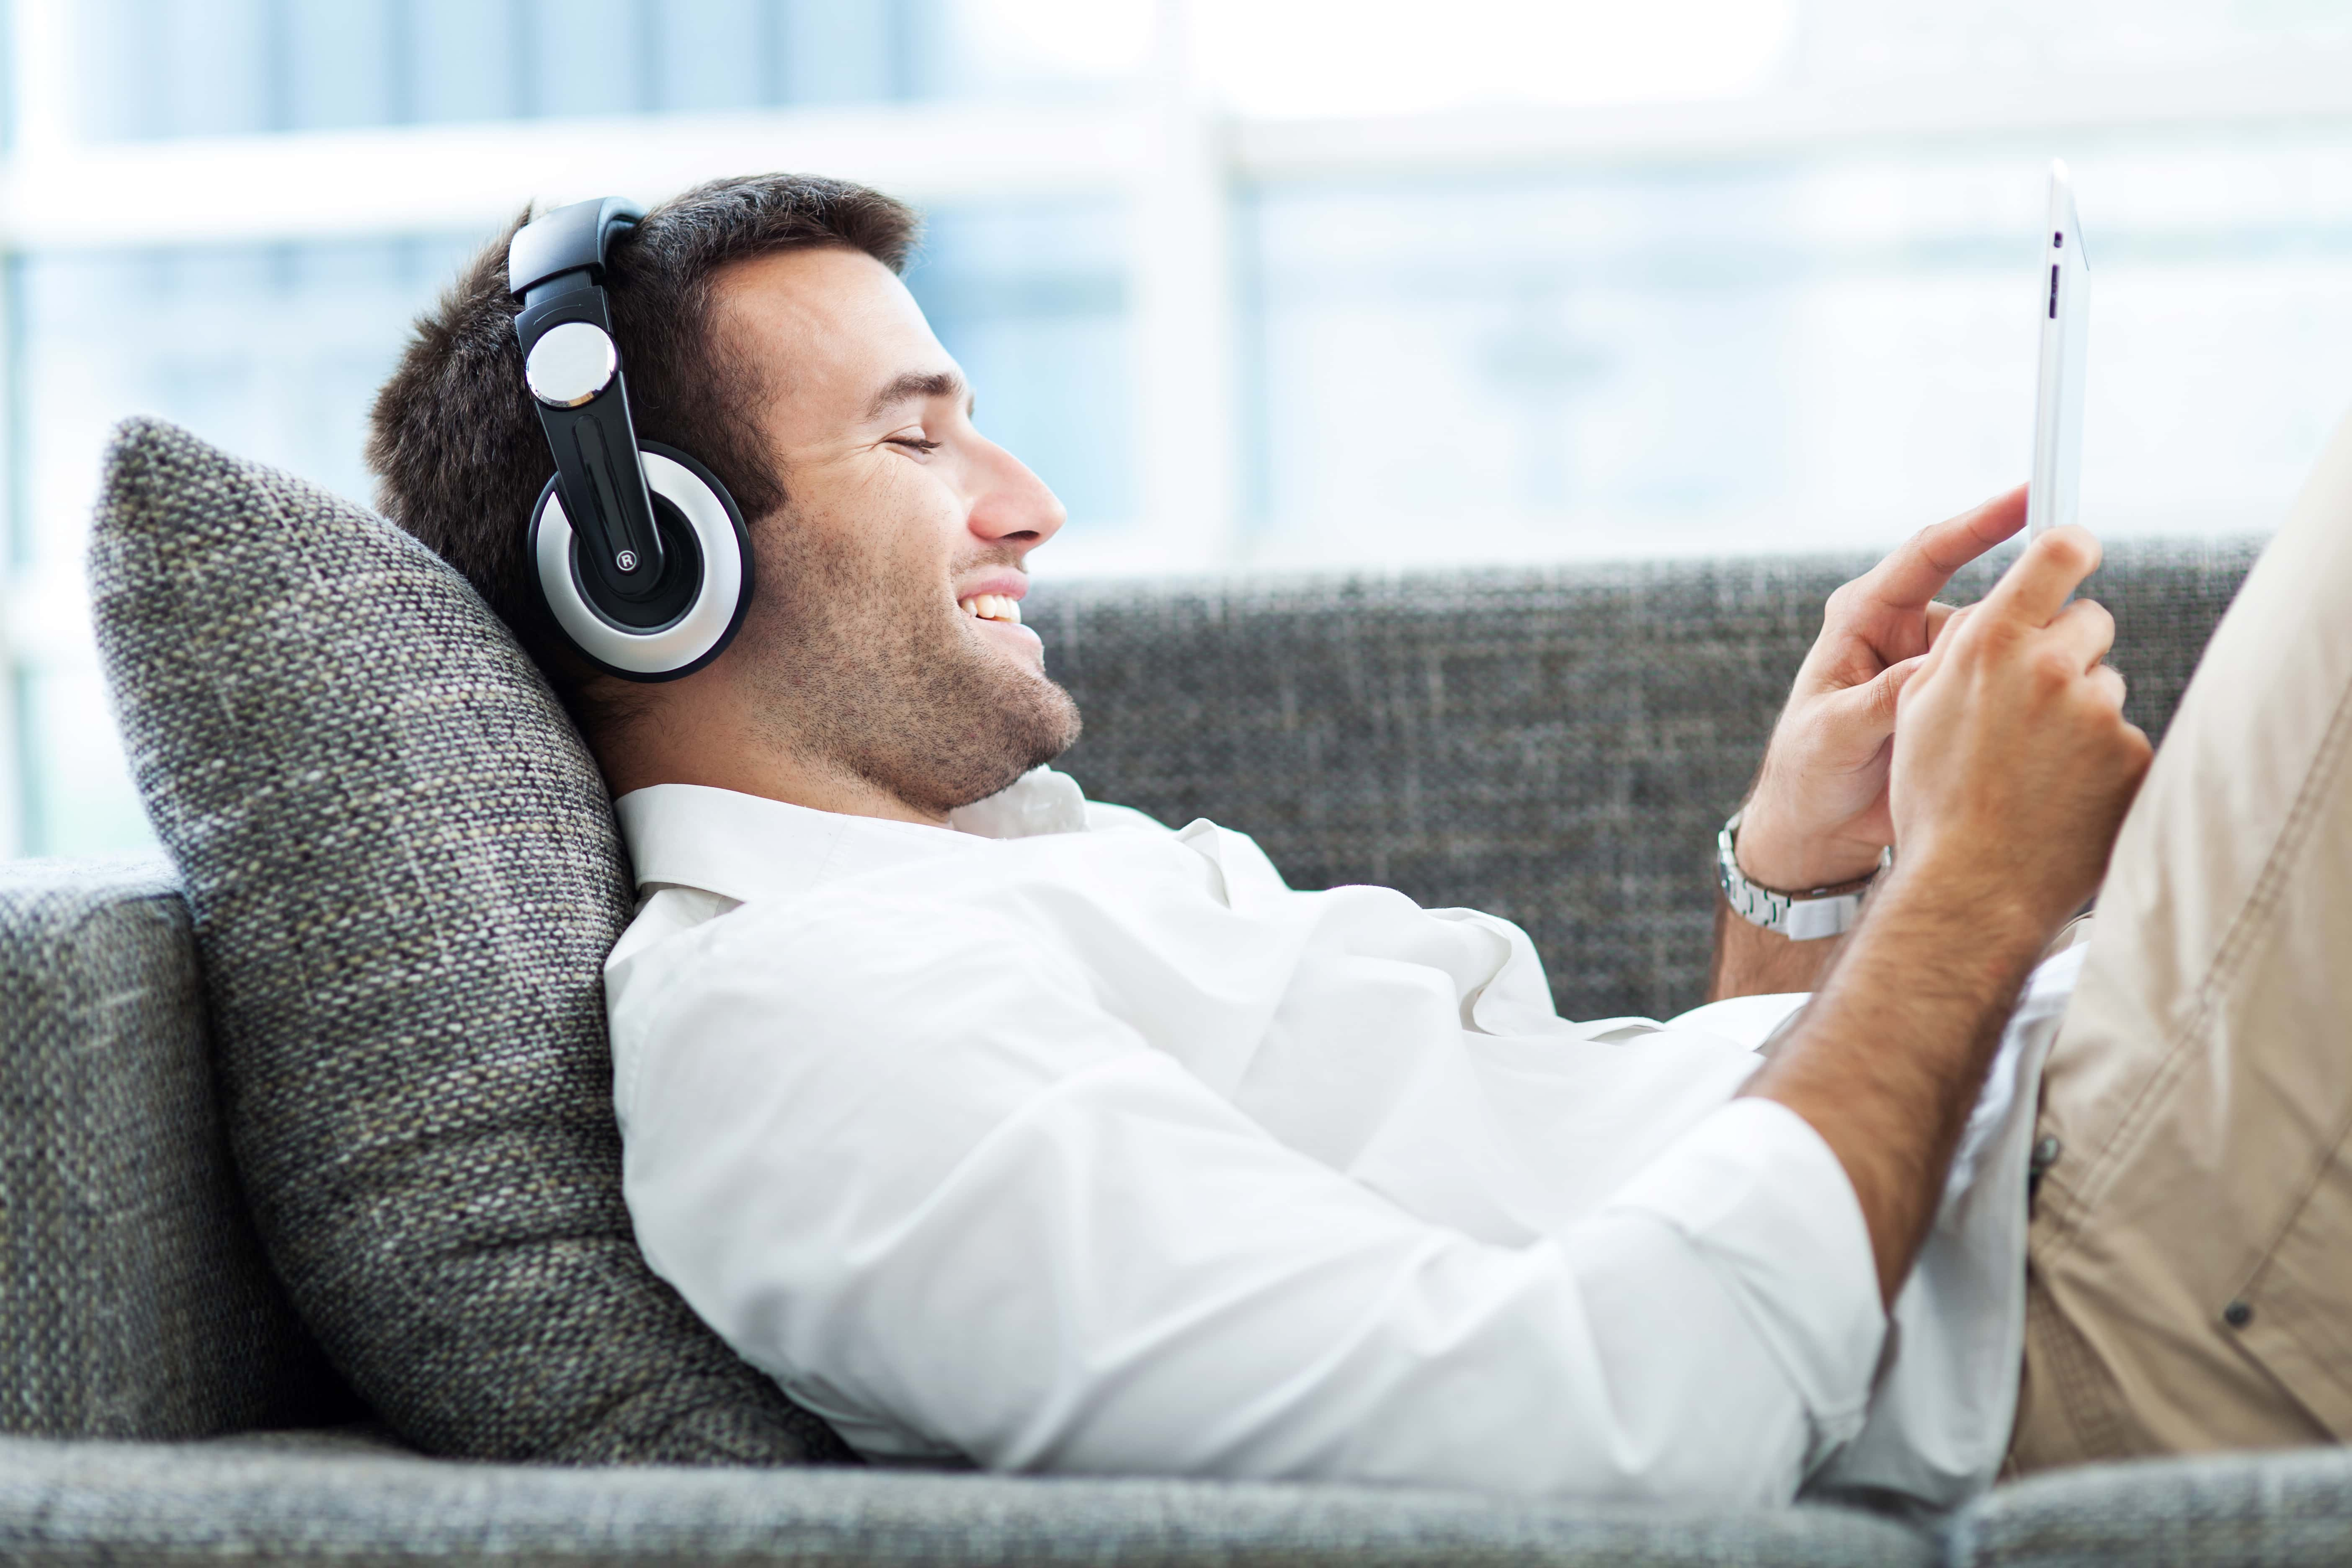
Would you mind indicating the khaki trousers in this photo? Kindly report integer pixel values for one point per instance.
(2189, 1267)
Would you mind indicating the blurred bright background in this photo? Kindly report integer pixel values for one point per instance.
(1256, 284)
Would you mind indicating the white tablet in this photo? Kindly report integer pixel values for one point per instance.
(2065, 295)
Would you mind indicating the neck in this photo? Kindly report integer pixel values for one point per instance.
(648, 754)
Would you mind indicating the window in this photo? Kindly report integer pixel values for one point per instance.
(1253, 284)
(1798, 351)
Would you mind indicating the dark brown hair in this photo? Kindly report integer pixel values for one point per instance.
(454, 441)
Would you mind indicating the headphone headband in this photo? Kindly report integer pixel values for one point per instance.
(569, 240)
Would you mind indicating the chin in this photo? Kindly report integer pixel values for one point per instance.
(1036, 731)
(1029, 720)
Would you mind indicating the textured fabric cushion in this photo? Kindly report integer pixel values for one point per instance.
(2282, 1511)
(133, 1298)
(224, 1505)
(404, 878)
(1556, 746)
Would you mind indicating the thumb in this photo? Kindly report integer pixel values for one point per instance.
(1895, 677)
(1866, 712)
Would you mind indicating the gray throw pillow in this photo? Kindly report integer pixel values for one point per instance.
(404, 878)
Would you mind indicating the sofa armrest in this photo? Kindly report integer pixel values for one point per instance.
(134, 1300)
(2285, 1509)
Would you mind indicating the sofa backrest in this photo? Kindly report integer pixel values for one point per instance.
(133, 1299)
(1556, 745)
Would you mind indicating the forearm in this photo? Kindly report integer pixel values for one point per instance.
(1752, 962)
(1892, 1050)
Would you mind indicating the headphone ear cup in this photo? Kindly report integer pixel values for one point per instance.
(698, 515)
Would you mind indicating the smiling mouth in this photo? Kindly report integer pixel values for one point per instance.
(997, 607)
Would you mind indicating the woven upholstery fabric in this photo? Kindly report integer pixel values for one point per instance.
(404, 876)
(2281, 1511)
(133, 1299)
(223, 1505)
(1554, 746)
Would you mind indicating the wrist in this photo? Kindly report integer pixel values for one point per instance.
(1773, 855)
(1802, 917)
(2004, 924)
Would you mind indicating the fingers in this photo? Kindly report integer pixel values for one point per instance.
(1921, 565)
(2035, 586)
(2109, 684)
(2085, 630)
(1943, 620)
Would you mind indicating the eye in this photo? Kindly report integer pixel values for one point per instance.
(913, 443)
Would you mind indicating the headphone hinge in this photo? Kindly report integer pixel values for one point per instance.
(571, 297)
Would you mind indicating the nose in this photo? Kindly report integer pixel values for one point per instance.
(1014, 506)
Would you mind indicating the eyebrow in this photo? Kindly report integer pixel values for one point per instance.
(917, 384)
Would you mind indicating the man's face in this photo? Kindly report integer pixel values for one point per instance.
(886, 633)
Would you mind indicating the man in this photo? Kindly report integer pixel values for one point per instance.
(1003, 1126)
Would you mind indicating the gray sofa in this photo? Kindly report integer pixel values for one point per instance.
(310, 1237)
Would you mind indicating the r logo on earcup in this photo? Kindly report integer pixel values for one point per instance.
(705, 583)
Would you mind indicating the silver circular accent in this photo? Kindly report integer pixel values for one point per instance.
(627, 560)
(570, 364)
(705, 620)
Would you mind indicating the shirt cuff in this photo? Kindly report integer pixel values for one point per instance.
(1767, 1206)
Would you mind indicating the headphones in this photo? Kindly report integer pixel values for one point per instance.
(639, 552)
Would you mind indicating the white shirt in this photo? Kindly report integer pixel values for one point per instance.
(1057, 1141)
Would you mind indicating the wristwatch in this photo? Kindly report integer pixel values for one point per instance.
(1800, 917)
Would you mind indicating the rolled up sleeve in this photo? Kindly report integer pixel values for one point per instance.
(1764, 1206)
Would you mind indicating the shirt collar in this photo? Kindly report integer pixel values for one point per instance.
(743, 846)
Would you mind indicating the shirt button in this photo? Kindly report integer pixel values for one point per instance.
(2046, 1151)
(2237, 1314)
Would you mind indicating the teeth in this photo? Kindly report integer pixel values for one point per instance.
(992, 608)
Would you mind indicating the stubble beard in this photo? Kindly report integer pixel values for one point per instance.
(870, 667)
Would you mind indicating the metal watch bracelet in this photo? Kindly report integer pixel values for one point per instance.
(1801, 917)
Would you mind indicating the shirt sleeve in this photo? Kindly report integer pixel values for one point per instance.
(945, 1195)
